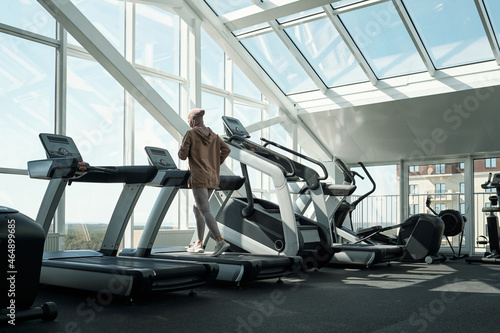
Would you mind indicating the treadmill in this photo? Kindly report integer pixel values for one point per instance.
(233, 267)
(260, 226)
(102, 270)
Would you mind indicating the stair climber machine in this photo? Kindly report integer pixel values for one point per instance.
(233, 267)
(263, 227)
(493, 256)
(419, 237)
(21, 246)
(326, 204)
(103, 270)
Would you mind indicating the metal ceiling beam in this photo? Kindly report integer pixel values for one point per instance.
(159, 3)
(233, 48)
(298, 56)
(115, 64)
(265, 123)
(267, 11)
(417, 41)
(356, 52)
(488, 28)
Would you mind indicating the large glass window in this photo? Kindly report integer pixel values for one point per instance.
(212, 62)
(327, 53)
(382, 206)
(157, 39)
(444, 184)
(451, 31)
(87, 220)
(243, 86)
(214, 110)
(273, 56)
(148, 132)
(95, 122)
(22, 192)
(28, 15)
(108, 16)
(481, 198)
(27, 89)
(383, 39)
(95, 112)
(247, 116)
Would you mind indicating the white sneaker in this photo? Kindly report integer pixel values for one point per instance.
(196, 247)
(220, 247)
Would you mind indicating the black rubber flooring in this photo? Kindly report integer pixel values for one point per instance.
(405, 297)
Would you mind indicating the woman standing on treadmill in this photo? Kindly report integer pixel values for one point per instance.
(205, 152)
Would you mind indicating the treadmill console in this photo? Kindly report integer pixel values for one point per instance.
(233, 127)
(59, 146)
(160, 158)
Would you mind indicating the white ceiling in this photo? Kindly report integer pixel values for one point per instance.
(411, 129)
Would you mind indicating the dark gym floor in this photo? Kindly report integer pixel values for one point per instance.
(405, 297)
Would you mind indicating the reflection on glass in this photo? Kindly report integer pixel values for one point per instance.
(95, 112)
(212, 62)
(108, 17)
(28, 15)
(273, 56)
(157, 39)
(327, 53)
(451, 31)
(383, 40)
(221, 7)
(27, 89)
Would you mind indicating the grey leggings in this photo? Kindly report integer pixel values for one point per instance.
(201, 210)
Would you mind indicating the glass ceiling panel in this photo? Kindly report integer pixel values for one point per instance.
(273, 56)
(327, 53)
(451, 30)
(221, 7)
(345, 3)
(493, 9)
(300, 15)
(383, 40)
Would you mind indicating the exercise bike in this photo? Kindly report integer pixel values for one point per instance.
(492, 257)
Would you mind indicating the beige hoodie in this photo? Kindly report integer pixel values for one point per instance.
(205, 155)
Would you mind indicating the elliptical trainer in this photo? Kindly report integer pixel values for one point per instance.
(419, 234)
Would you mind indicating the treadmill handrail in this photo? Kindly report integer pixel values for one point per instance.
(288, 150)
